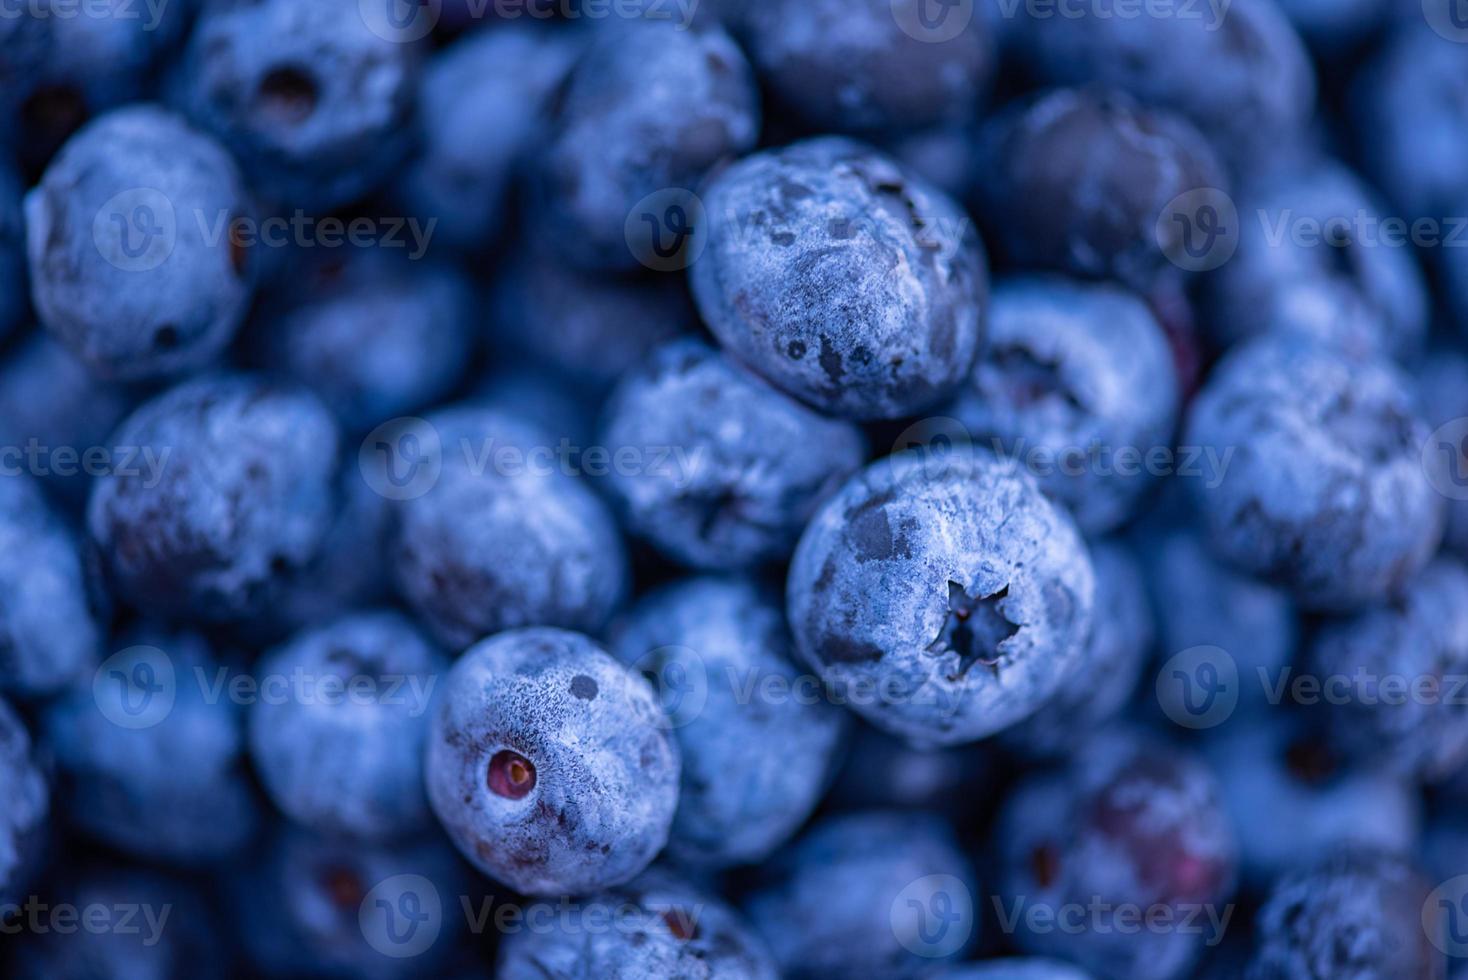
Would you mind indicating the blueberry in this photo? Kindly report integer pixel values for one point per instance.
(647, 108)
(230, 491)
(1130, 822)
(1334, 28)
(1442, 394)
(376, 333)
(1016, 968)
(758, 750)
(506, 537)
(25, 812)
(946, 603)
(1074, 369)
(1242, 76)
(881, 772)
(590, 328)
(1358, 914)
(1075, 180)
(1410, 119)
(945, 156)
(1312, 261)
(128, 234)
(48, 634)
(666, 928)
(842, 279)
(481, 106)
(1121, 639)
(747, 466)
(560, 406)
(854, 896)
(1293, 799)
(1324, 492)
(870, 64)
(550, 765)
(1419, 642)
(314, 103)
(344, 752)
(13, 286)
(152, 754)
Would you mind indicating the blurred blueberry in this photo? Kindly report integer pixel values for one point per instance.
(232, 491)
(1015, 968)
(1442, 396)
(48, 633)
(842, 279)
(746, 468)
(883, 772)
(26, 42)
(1073, 370)
(1323, 490)
(132, 259)
(14, 288)
(550, 765)
(884, 895)
(1334, 27)
(342, 751)
(25, 811)
(1454, 264)
(758, 747)
(315, 99)
(945, 603)
(945, 156)
(562, 408)
(505, 536)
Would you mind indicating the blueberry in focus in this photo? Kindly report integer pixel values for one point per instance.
(953, 596)
(1325, 492)
(1071, 370)
(758, 749)
(746, 465)
(842, 279)
(232, 490)
(129, 238)
(550, 765)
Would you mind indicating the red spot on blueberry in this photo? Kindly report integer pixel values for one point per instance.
(511, 775)
(343, 887)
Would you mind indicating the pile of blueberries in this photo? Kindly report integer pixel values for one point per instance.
(918, 489)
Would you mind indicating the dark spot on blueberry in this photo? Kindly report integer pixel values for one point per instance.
(796, 349)
(1045, 865)
(288, 94)
(583, 687)
(165, 337)
(238, 249)
(279, 565)
(1310, 761)
(511, 775)
(343, 886)
(681, 924)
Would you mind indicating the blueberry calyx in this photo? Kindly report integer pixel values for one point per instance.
(511, 775)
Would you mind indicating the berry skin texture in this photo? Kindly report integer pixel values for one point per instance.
(1325, 493)
(646, 108)
(1076, 179)
(667, 928)
(754, 765)
(956, 591)
(751, 464)
(852, 66)
(128, 239)
(834, 903)
(48, 633)
(242, 498)
(1129, 822)
(845, 281)
(1071, 366)
(597, 746)
(512, 545)
(1420, 641)
(1356, 916)
(25, 810)
(315, 105)
(347, 763)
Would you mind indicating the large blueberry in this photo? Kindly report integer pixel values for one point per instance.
(339, 746)
(506, 536)
(758, 746)
(847, 282)
(1324, 490)
(944, 601)
(25, 811)
(729, 469)
(1080, 376)
(550, 765)
(230, 490)
(132, 259)
(878, 895)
